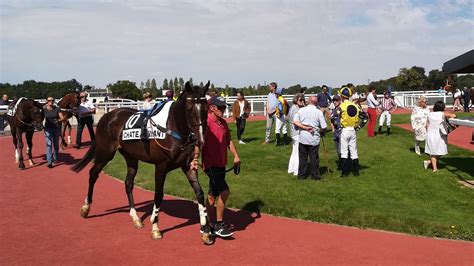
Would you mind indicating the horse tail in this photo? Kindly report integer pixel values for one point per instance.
(85, 160)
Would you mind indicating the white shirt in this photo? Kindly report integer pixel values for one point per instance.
(241, 105)
(148, 105)
(371, 101)
(86, 106)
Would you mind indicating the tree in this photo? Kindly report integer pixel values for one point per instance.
(148, 84)
(191, 81)
(165, 85)
(435, 79)
(181, 83)
(142, 85)
(176, 85)
(410, 79)
(125, 89)
(172, 88)
(153, 85)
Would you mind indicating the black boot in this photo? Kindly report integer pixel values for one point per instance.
(278, 139)
(380, 130)
(356, 167)
(388, 131)
(285, 139)
(345, 167)
(339, 163)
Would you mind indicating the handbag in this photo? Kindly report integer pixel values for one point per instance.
(446, 127)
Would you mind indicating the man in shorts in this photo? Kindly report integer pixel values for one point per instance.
(214, 159)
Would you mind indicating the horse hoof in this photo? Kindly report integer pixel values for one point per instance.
(21, 166)
(207, 239)
(31, 162)
(85, 210)
(138, 224)
(156, 234)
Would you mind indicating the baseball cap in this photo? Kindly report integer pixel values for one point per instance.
(336, 98)
(217, 101)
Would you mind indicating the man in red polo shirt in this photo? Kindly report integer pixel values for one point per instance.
(214, 159)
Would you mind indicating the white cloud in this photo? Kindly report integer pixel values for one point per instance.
(228, 42)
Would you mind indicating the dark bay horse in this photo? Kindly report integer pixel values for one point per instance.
(185, 127)
(69, 106)
(28, 116)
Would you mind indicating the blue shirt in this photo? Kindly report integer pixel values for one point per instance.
(272, 103)
(323, 100)
(313, 117)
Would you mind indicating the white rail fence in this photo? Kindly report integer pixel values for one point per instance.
(406, 99)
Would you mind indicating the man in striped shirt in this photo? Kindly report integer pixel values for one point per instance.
(387, 106)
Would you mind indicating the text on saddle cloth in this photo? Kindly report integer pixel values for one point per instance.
(12, 109)
(136, 123)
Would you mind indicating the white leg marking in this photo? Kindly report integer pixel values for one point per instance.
(133, 214)
(31, 162)
(154, 214)
(17, 155)
(202, 214)
(68, 139)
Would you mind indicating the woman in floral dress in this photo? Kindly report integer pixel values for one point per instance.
(419, 117)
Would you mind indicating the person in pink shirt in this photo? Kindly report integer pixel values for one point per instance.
(214, 159)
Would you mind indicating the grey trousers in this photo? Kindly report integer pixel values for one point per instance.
(268, 129)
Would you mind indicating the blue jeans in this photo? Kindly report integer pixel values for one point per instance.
(52, 139)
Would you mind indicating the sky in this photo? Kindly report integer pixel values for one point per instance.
(239, 43)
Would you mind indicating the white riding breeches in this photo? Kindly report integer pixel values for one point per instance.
(349, 143)
(280, 125)
(387, 115)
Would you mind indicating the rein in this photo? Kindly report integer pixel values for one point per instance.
(26, 124)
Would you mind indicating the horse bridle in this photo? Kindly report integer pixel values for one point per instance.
(191, 136)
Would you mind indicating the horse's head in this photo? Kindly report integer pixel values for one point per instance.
(70, 102)
(196, 109)
(35, 112)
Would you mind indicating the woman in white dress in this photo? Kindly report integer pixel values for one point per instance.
(436, 140)
(293, 164)
(419, 116)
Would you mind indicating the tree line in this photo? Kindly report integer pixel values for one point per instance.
(408, 79)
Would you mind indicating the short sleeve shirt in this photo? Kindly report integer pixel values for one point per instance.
(313, 117)
(272, 103)
(217, 139)
(85, 107)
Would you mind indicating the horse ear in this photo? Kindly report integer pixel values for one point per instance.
(188, 88)
(206, 87)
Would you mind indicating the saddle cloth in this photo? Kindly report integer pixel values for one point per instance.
(12, 109)
(132, 129)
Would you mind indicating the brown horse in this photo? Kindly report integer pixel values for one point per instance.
(185, 127)
(69, 105)
(24, 117)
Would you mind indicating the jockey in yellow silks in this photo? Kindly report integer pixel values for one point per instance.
(280, 114)
(351, 118)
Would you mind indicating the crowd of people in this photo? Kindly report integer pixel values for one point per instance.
(307, 119)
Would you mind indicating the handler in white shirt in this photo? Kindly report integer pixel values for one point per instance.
(86, 110)
(372, 111)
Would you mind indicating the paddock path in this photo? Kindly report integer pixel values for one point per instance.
(40, 224)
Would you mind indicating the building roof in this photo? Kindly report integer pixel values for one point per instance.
(462, 64)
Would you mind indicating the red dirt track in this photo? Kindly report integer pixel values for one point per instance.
(460, 137)
(40, 224)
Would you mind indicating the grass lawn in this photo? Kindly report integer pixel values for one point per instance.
(393, 192)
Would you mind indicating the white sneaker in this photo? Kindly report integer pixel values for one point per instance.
(426, 164)
(241, 142)
(417, 150)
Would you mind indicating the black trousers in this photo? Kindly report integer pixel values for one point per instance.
(240, 122)
(85, 121)
(313, 153)
(466, 105)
